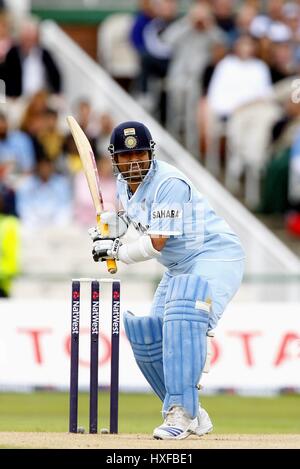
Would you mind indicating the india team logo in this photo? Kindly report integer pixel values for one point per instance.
(130, 142)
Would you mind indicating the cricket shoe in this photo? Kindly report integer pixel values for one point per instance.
(177, 425)
(204, 423)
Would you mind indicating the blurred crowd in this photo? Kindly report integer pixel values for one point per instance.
(42, 183)
(222, 78)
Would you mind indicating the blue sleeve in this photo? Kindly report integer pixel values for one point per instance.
(167, 210)
(25, 150)
(136, 33)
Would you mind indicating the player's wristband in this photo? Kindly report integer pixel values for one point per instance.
(138, 251)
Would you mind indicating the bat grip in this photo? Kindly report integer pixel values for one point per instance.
(110, 263)
(111, 266)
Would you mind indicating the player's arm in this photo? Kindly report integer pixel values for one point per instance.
(144, 248)
(166, 221)
(159, 243)
(139, 250)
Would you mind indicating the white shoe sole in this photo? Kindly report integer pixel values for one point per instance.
(199, 432)
(161, 436)
(182, 436)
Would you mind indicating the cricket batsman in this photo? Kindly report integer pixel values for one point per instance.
(204, 263)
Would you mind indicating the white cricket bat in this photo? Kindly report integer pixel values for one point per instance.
(90, 169)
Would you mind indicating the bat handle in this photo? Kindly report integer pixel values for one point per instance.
(110, 263)
(111, 266)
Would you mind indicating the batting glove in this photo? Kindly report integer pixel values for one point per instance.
(105, 248)
(117, 225)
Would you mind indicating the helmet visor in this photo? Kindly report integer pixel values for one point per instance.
(133, 167)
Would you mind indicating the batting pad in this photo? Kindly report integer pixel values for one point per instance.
(184, 340)
(145, 336)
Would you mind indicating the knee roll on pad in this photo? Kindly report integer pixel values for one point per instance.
(184, 340)
(145, 337)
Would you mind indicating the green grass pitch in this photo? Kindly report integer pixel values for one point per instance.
(140, 413)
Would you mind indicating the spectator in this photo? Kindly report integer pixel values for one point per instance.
(143, 16)
(16, 150)
(33, 120)
(115, 51)
(87, 119)
(107, 181)
(218, 52)
(5, 39)
(165, 14)
(8, 196)
(71, 161)
(83, 206)
(50, 137)
(36, 106)
(156, 56)
(223, 11)
(281, 61)
(28, 66)
(291, 14)
(277, 174)
(262, 23)
(285, 128)
(88, 122)
(9, 246)
(275, 10)
(238, 79)
(244, 17)
(106, 128)
(45, 197)
(191, 38)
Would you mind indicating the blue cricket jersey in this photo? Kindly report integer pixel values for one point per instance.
(166, 203)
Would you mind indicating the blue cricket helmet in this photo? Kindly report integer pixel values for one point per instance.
(130, 136)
